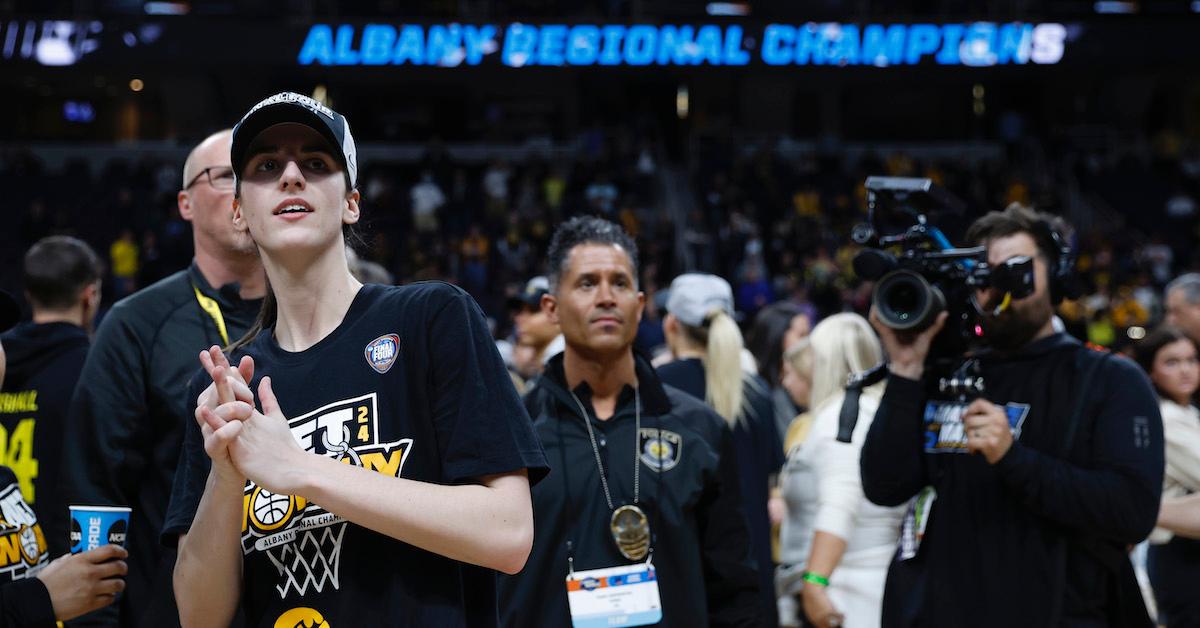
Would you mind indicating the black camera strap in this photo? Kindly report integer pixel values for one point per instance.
(854, 387)
(1082, 389)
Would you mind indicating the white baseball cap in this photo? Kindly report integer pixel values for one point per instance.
(693, 296)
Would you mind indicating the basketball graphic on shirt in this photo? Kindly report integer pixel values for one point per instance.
(29, 545)
(301, 540)
(22, 544)
(302, 617)
(271, 510)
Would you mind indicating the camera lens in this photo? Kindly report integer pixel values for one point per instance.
(907, 301)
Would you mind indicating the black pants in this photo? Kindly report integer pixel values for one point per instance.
(1174, 570)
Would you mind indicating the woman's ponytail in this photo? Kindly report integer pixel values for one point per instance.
(724, 380)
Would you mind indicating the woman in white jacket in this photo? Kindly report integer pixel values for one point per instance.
(835, 545)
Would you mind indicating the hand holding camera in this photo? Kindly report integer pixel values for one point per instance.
(907, 350)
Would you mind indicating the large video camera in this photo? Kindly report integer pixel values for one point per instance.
(919, 274)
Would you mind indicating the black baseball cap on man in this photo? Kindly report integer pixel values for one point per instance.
(298, 108)
(531, 296)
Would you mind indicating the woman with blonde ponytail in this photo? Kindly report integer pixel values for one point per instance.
(835, 545)
(707, 345)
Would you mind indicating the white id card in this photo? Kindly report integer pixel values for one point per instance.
(614, 597)
(912, 531)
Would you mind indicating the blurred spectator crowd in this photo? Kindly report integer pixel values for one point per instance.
(774, 222)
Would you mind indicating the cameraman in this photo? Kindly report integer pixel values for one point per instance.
(1024, 529)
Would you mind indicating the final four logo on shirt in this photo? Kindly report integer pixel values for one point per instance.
(659, 453)
(381, 352)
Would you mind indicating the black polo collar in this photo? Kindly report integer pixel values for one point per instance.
(227, 296)
(654, 396)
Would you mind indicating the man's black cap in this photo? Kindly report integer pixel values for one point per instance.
(532, 294)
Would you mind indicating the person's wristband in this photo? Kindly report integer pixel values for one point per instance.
(815, 578)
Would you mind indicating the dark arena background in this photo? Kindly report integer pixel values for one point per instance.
(732, 138)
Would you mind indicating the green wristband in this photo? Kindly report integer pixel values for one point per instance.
(815, 578)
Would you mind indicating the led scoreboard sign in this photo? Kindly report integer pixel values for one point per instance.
(973, 44)
(760, 46)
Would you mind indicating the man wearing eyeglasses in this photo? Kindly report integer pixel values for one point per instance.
(127, 414)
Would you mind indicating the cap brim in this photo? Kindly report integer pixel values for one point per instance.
(10, 312)
(280, 113)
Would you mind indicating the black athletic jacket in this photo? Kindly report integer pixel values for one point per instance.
(706, 572)
(126, 422)
(43, 365)
(1033, 540)
(25, 604)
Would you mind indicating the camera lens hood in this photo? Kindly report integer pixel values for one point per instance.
(906, 301)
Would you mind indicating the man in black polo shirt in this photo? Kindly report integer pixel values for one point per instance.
(641, 520)
(127, 416)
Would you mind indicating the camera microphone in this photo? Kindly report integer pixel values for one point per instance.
(871, 264)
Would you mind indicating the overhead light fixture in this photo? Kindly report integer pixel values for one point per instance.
(137, 85)
(728, 8)
(1115, 7)
(683, 102)
(167, 8)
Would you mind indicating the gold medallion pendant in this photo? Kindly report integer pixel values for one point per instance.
(631, 531)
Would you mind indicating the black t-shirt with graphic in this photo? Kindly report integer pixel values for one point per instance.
(24, 601)
(410, 385)
(22, 545)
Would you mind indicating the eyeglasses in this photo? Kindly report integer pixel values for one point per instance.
(220, 177)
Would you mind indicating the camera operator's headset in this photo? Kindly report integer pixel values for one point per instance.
(1062, 272)
(1061, 275)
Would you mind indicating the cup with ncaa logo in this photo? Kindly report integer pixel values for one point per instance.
(94, 526)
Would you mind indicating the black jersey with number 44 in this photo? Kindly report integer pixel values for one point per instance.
(409, 385)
